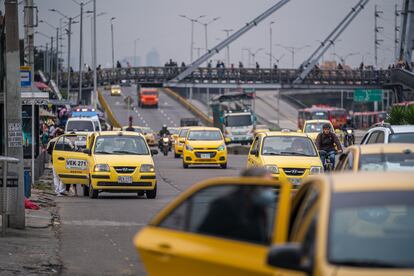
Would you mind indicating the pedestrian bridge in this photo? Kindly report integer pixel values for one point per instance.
(238, 78)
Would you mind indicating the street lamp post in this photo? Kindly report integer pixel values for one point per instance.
(270, 44)
(205, 30)
(292, 50)
(80, 54)
(135, 51)
(192, 20)
(112, 41)
(228, 31)
(277, 60)
(254, 55)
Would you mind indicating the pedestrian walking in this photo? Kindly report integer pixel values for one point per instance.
(59, 187)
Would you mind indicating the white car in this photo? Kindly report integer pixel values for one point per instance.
(386, 133)
(82, 125)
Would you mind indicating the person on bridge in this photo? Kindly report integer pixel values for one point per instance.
(326, 142)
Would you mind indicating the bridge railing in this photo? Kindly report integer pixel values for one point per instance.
(234, 75)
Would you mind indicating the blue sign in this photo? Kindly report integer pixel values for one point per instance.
(25, 76)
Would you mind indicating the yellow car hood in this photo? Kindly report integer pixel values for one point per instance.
(205, 144)
(292, 161)
(123, 160)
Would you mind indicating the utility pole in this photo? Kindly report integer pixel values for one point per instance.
(377, 29)
(80, 54)
(57, 57)
(228, 31)
(51, 57)
(95, 75)
(13, 110)
(270, 44)
(396, 31)
(46, 59)
(135, 51)
(112, 42)
(69, 32)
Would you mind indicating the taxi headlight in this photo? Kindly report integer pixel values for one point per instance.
(101, 168)
(188, 147)
(315, 170)
(272, 168)
(221, 148)
(147, 168)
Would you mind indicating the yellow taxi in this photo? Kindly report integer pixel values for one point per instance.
(220, 226)
(204, 146)
(287, 155)
(121, 162)
(313, 127)
(179, 141)
(69, 161)
(377, 157)
(149, 136)
(115, 90)
(350, 224)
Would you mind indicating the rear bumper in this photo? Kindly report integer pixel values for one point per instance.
(193, 157)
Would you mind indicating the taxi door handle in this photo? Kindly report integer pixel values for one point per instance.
(164, 246)
(61, 158)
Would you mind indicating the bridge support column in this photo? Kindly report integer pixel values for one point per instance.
(190, 96)
(208, 96)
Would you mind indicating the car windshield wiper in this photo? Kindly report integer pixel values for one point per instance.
(368, 263)
(294, 153)
(127, 152)
(102, 152)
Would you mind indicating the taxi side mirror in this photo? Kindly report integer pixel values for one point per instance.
(254, 152)
(227, 141)
(154, 152)
(87, 151)
(287, 256)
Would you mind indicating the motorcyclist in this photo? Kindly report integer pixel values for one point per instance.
(326, 142)
(164, 131)
(348, 130)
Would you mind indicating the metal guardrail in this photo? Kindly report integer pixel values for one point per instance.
(284, 77)
(3, 208)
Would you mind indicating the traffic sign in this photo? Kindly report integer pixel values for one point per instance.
(25, 76)
(368, 95)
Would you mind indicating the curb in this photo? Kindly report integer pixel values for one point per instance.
(114, 122)
(197, 112)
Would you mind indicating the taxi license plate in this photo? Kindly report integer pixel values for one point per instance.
(205, 156)
(295, 181)
(125, 179)
(76, 164)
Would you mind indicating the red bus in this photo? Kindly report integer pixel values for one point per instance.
(363, 120)
(336, 115)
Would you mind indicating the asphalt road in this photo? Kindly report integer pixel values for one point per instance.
(96, 234)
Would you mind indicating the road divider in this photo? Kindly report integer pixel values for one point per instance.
(190, 107)
(111, 118)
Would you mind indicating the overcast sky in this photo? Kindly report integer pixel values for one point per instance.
(158, 26)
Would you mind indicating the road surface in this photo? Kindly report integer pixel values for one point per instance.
(96, 234)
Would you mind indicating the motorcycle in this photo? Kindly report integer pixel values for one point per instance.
(349, 137)
(165, 144)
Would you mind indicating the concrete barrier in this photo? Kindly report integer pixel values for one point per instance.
(111, 118)
(190, 107)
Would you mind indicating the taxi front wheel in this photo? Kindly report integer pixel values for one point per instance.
(92, 193)
(223, 166)
(151, 194)
(185, 165)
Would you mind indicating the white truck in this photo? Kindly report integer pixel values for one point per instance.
(239, 126)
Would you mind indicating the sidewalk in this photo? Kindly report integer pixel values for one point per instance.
(34, 251)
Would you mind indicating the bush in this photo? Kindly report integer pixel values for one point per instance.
(401, 115)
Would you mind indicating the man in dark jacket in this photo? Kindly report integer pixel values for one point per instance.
(326, 142)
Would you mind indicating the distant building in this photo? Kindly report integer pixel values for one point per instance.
(153, 58)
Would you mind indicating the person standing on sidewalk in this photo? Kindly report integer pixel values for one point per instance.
(59, 187)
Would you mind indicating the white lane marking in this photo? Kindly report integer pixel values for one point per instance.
(172, 122)
(146, 125)
(168, 118)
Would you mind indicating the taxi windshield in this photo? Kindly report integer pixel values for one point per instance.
(173, 130)
(121, 145)
(205, 135)
(387, 162)
(288, 145)
(183, 132)
(79, 126)
(314, 127)
(372, 229)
